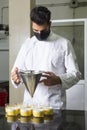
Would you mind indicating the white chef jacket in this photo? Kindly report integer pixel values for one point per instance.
(55, 54)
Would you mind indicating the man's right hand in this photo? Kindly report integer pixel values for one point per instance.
(15, 76)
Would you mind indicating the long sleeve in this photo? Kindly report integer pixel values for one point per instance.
(72, 74)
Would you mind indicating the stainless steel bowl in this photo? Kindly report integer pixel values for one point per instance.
(30, 79)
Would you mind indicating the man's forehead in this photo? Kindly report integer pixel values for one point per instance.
(38, 27)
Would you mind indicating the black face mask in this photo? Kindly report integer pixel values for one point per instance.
(42, 35)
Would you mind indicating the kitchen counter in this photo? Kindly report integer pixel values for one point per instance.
(61, 120)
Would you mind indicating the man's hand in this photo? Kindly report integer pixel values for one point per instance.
(15, 76)
(50, 79)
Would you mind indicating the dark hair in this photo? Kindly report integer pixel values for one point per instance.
(40, 15)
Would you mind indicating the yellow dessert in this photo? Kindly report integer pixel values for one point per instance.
(38, 112)
(25, 111)
(11, 111)
(48, 111)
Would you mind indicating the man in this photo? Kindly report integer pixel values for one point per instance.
(50, 53)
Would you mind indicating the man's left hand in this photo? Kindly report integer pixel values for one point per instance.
(50, 79)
